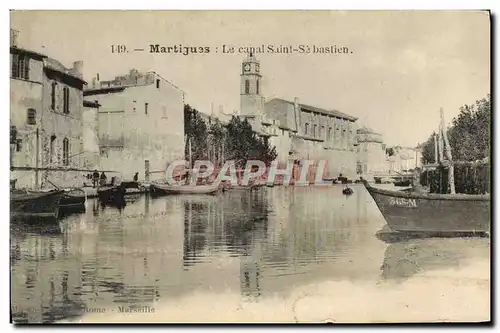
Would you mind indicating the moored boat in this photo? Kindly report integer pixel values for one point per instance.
(111, 194)
(35, 204)
(429, 213)
(73, 200)
(158, 189)
(402, 183)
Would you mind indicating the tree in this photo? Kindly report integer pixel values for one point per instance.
(244, 144)
(196, 132)
(390, 151)
(469, 134)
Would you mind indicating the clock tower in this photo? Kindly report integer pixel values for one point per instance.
(252, 102)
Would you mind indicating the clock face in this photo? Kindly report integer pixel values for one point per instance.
(247, 67)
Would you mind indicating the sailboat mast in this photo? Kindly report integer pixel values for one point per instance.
(451, 170)
(190, 154)
(37, 151)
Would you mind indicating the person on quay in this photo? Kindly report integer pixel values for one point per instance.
(102, 180)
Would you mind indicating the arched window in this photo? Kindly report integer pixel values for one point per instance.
(258, 84)
(53, 96)
(66, 100)
(322, 131)
(31, 117)
(330, 137)
(306, 129)
(315, 130)
(66, 151)
(247, 87)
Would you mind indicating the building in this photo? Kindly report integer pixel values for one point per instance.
(405, 159)
(26, 91)
(298, 131)
(45, 118)
(62, 122)
(372, 158)
(91, 135)
(140, 124)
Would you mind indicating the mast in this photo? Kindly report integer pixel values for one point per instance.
(435, 148)
(190, 154)
(440, 143)
(37, 143)
(451, 170)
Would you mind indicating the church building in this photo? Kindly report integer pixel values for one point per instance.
(298, 131)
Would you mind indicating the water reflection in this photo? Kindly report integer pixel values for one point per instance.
(257, 244)
(404, 259)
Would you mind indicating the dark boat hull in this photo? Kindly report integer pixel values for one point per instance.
(433, 213)
(115, 194)
(402, 183)
(73, 201)
(35, 204)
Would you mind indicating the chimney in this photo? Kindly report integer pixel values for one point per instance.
(13, 37)
(78, 68)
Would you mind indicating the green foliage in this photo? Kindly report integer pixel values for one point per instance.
(218, 143)
(390, 151)
(197, 133)
(428, 150)
(243, 144)
(469, 135)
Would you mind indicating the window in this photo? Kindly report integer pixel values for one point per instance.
(157, 83)
(315, 130)
(257, 87)
(247, 87)
(53, 96)
(145, 108)
(330, 133)
(20, 66)
(306, 128)
(31, 117)
(66, 151)
(19, 145)
(134, 104)
(66, 100)
(322, 131)
(52, 152)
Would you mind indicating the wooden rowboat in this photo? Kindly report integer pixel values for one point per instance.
(166, 189)
(35, 204)
(427, 213)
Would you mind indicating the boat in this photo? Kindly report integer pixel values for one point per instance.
(158, 189)
(73, 200)
(402, 183)
(111, 193)
(28, 204)
(435, 214)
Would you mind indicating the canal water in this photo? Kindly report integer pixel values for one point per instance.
(282, 254)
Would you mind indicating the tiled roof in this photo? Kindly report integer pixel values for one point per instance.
(315, 109)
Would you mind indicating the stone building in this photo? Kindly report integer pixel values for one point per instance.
(91, 135)
(372, 159)
(299, 131)
(405, 159)
(62, 123)
(46, 117)
(140, 124)
(26, 91)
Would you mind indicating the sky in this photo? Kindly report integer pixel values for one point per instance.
(404, 65)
